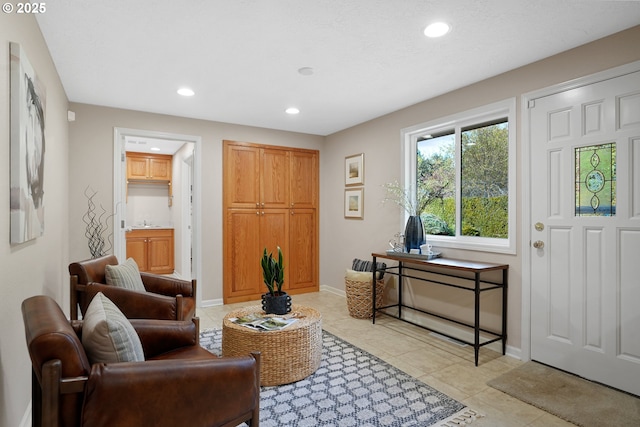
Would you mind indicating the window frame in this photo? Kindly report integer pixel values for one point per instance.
(457, 122)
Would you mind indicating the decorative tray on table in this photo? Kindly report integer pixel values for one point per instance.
(426, 257)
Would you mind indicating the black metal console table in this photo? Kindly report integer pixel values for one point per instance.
(448, 267)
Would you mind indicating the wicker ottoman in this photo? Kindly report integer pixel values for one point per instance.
(288, 355)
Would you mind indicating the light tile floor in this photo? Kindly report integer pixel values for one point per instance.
(442, 365)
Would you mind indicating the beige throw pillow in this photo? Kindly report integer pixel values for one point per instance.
(360, 276)
(125, 275)
(107, 335)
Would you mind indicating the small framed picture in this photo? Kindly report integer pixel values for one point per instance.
(354, 203)
(354, 170)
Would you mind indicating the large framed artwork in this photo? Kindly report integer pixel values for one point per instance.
(27, 148)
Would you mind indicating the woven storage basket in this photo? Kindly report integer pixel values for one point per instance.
(360, 298)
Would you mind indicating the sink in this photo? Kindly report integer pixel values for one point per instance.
(144, 227)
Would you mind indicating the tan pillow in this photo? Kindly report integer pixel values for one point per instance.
(360, 276)
(125, 275)
(107, 335)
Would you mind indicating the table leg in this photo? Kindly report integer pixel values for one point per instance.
(505, 287)
(476, 326)
(373, 287)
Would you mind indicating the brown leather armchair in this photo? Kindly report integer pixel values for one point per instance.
(178, 384)
(166, 297)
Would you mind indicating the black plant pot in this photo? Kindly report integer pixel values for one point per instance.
(280, 303)
(414, 233)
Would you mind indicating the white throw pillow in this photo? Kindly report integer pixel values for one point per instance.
(107, 335)
(125, 275)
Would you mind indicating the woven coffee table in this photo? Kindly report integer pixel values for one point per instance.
(288, 355)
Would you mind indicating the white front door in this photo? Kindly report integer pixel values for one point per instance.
(585, 231)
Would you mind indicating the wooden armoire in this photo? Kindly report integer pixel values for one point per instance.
(270, 197)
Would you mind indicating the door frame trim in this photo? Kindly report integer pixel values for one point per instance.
(525, 242)
(119, 192)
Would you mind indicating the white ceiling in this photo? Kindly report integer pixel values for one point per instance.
(242, 57)
(152, 145)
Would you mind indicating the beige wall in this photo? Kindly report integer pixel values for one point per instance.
(342, 240)
(91, 160)
(38, 266)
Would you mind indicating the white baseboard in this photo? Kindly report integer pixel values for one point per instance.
(514, 352)
(331, 289)
(211, 302)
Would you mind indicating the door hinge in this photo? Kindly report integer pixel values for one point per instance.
(122, 157)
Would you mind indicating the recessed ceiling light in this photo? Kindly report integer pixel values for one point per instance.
(154, 149)
(437, 29)
(292, 110)
(185, 91)
(305, 71)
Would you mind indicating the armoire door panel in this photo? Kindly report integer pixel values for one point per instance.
(304, 185)
(303, 258)
(274, 183)
(242, 274)
(241, 176)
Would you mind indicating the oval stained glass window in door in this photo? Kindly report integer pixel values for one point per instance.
(595, 184)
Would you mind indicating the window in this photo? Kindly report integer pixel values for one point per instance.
(461, 172)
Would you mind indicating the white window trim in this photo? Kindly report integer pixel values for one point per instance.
(409, 138)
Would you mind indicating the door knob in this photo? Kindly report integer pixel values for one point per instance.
(538, 244)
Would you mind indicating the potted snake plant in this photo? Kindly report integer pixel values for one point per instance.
(275, 301)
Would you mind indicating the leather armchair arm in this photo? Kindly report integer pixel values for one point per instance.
(137, 305)
(172, 393)
(161, 336)
(167, 285)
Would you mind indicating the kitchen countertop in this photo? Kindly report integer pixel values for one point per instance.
(150, 227)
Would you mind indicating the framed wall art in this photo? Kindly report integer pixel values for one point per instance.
(27, 149)
(354, 170)
(354, 203)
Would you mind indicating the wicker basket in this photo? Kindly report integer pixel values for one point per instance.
(359, 298)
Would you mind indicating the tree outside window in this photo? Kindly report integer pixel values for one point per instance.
(484, 183)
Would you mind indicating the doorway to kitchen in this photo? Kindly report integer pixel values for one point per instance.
(174, 205)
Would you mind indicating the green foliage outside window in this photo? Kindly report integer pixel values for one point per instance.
(483, 180)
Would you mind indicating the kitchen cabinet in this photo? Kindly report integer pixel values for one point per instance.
(148, 167)
(270, 200)
(143, 168)
(152, 249)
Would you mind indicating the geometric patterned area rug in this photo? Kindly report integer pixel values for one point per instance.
(353, 388)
